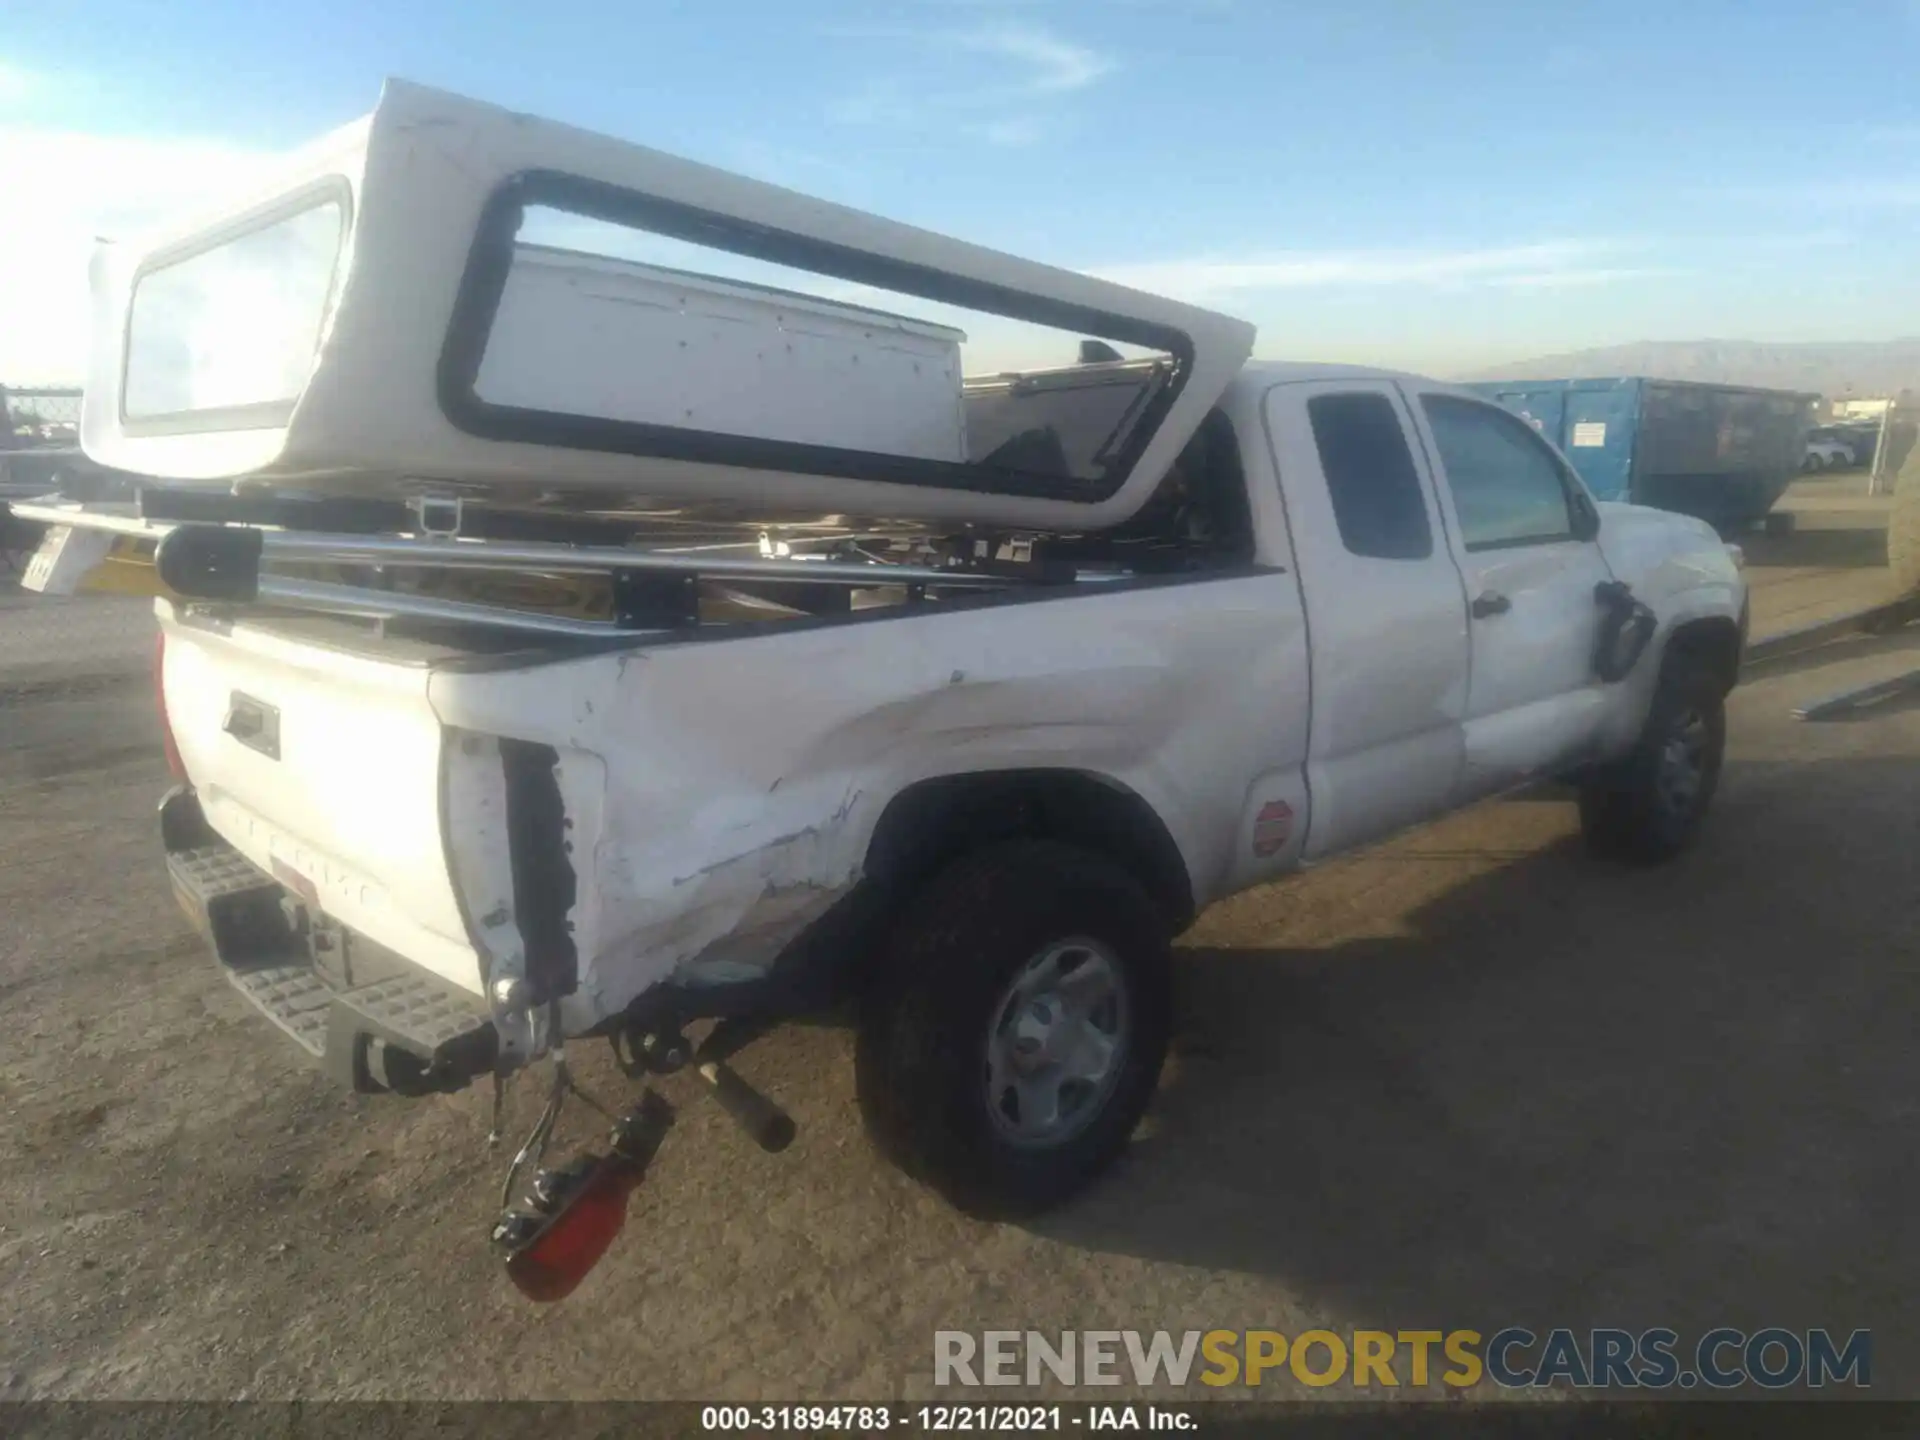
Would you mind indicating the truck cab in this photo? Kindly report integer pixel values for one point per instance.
(1449, 560)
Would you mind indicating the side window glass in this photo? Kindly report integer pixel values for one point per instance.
(1370, 476)
(1507, 487)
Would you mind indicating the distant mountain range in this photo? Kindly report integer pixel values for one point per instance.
(1839, 369)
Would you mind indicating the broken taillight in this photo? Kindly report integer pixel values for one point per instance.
(552, 1264)
(175, 765)
(573, 1215)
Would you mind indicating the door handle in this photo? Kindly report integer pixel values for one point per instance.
(1489, 602)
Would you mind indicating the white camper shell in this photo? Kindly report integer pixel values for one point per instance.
(377, 321)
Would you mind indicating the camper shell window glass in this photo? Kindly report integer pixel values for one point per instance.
(688, 335)
(224, 335)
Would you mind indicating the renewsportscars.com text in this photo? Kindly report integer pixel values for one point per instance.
(1512, 1358)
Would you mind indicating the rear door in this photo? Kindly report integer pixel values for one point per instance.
(1385, 611)
(1520, 525)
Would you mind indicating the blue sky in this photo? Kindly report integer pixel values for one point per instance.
(1440, 186)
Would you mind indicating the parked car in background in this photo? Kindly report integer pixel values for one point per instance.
(1862, 438)
(1827, 451)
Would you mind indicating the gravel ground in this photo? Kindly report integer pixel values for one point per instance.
(1469, 1079)
(1835, 562)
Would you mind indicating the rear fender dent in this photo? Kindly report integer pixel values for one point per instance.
(773, 866)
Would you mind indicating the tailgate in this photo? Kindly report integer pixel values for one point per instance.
(322, 767)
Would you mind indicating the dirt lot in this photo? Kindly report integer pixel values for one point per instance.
(1470, 1079)
(1834, 562)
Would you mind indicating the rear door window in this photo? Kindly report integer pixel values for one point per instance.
(1370, 476)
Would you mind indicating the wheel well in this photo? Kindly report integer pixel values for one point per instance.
(932, 823)
(1713, 644)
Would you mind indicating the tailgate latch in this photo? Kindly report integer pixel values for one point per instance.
(254, 723)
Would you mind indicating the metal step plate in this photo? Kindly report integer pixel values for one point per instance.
(421, 1011)
(219, 870)
(291, 996)
(268, 961)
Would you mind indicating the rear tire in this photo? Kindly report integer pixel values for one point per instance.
(1015, 1034)
(1646, 807)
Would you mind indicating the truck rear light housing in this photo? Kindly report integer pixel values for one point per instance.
(571, 1216)
(554, 1262)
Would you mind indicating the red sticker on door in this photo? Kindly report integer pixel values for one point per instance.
(1272, 828)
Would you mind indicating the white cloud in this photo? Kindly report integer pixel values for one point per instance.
(1894, 193)
(879, 102)
(1011, 109)
(1898, 189)
(1787, 241)
(65, 188)
(1212, 278)
(1017, 130)
(1581, 279)
(17, 84)
(1057, 66)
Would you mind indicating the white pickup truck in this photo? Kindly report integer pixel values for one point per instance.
(977, 791)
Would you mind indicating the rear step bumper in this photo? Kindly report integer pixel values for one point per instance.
(399, 1028)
